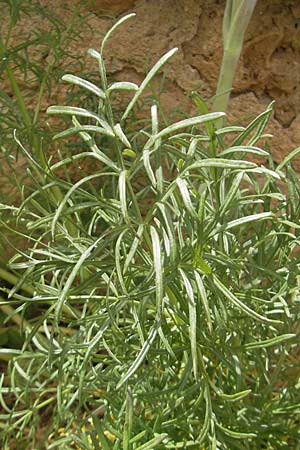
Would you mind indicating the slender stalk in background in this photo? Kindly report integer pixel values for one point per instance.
(236, 19)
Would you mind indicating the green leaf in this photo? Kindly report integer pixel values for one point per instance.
(105, 444)
(232, 192)
(242, 220)
(240, 305)
(68, 284)
(268, 342)
(244, 149)
(121, 135)
(235, 397)
(73, 111)
(147, 80)
(140, 358)
(204, 299)
(158, 268)
(287, 159)
(122, 193)
(220, 163)
(169, 229)
(85, 84)
(184, 124)
(235, 434)
(192, 321)
(128, 421)
(122, 86)
(129, 152)
(199, 263)
(113, 28)
(147, 165)
(81, 128)
(150, 445)
(185, 194)
(259, 122)
(134, 247)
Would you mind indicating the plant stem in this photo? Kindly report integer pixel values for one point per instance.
(236, 19)
(13, 280)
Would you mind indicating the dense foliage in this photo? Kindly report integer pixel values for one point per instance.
(159, 294)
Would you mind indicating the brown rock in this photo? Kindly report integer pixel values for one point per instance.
(114, 7)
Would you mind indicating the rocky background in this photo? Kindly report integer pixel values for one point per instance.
(269, 67)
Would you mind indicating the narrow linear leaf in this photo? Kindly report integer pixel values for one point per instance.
(122, 86)
(256, 122)
(81, 112)
(240, 305)
(203, 109)
(241, 221)
(150, 445)
(85, 84)
(169, 230)
(141, 356)
(128, 421)
(268, 342)
(122, 194)
(184, 124)
(230, 129)
(192, 321)
(66, 199)
(72, 111)
(235, 397)
(64, 293)
(147, 80)
(183, 444)
(147, 165)
(244, 149)
(118, 262)
(95, 149)
(235, 434)
(154, 119)
(205, 428)
(184, 191)
(75, 130)
(157, 261)
(234, 188)
(133, 248)
(221, 163)
(265, 171)
(121, 135)
(94, 54)
(166, 343)
(289, 223)
(203, 297)
(287, 159)
(113, 28)
(192, 147)
(105, 445)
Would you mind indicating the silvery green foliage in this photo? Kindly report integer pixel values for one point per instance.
(168, 310)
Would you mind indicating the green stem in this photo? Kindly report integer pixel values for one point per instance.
(236, 19)
(55, 194)
(227, 73)
(13, 280)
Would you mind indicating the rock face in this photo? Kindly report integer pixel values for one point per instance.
(269, 67)
(110, 6)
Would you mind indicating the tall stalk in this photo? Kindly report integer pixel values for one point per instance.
(236, 19)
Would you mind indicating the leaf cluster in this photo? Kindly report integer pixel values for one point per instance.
(167, 309)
